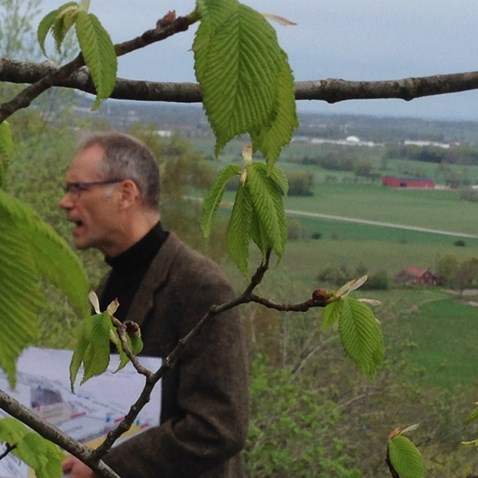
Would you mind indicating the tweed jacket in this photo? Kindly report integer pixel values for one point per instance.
(204, 405)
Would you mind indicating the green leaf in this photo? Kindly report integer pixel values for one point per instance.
(99, 54)
(61, 25)
(272, 138)
(279, 176)
(266, 199)
(93, 347)
(237, 63)
(53, 258)
(44, 28)
(238, 234)
(55, 22)
(20, 298)
(135, 342)
(405, 458)
(361, 336)
(214, 197)
(6, 148)
(332, 313)
(31, 448)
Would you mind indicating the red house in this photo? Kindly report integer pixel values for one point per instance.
(416, 276)
(397, 182)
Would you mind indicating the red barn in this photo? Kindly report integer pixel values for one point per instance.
(397, 182)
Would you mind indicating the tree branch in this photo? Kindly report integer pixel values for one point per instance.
(25, 415)
(328, 90)
(166, 27)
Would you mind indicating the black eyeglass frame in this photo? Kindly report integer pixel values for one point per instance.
(79, 186)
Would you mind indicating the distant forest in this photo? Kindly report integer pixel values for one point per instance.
(191, 121)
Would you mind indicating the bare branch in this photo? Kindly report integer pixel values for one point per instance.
(328, 90)
(166, 27)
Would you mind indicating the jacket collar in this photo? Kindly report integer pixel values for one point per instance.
(156, 275)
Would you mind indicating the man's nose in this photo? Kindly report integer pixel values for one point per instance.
(65, 202)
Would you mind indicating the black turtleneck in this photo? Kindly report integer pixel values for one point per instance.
(129, 269)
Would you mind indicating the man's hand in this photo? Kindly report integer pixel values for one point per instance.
(75, 468)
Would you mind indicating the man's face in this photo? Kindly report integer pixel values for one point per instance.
(90, 207)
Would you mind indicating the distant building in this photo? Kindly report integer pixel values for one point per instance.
(423, 144)
(398, 182)
(416, 276)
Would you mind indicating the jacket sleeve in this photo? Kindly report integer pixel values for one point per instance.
(208, 430)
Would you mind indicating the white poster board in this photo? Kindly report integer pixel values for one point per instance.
(43, 384)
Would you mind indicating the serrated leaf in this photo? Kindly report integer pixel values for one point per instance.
(115, 339)
(214, 197)
(53, 257)
(53, 22)
(331, 313)
(20, 299)
(406, 458)
(44, 28)
(92, 350)
(99, 54)
(238, 235)
(60, 26)
(279, 176)
(237, 63)
(266, 199)
(270, 139)
(361, 336)
(41, 455)
(31, 448)
(6, 148)
(68, 17)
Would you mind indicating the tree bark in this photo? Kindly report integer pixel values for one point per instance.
(329, 90)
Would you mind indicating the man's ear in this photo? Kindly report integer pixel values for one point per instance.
(129, 194)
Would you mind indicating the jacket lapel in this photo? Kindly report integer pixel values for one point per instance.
(155, 276)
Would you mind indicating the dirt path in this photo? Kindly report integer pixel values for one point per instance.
(293, 212)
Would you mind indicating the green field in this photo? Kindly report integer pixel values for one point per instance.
(435, 209)
(442, 342)
(429, 328)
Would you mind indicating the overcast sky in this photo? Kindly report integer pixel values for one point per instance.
(349, 39)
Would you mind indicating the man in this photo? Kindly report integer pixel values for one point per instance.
(111, 196)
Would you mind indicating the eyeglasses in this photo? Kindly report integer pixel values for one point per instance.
(78, 187)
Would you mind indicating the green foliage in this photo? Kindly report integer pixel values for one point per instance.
(405, 458)
(92, 350)
(40, 454)
(258, 213)
(30, 250)
(246, 82)
(94, 336)
(95, 43)
(292, 431)
(99, 54)
(58, 22)
(360, 334)
(6, 149)
(215, 195)
(300, 183)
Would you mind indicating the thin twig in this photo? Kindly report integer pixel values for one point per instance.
(163, 30)
(8, 449)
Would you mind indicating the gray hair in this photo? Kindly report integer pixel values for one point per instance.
(126, 157)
